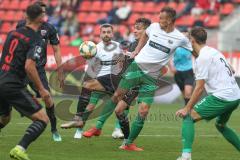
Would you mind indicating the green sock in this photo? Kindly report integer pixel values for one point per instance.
(117, 125)
(86, 114)
(136, 128)
(106, 113)
(230, 136)
(187, 133)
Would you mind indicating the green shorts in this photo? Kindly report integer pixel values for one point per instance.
(134, 77)
(95, 97)
(211, 107)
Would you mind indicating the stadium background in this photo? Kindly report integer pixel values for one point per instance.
(79, 20)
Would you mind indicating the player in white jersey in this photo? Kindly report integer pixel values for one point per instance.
(106, 69)
(214, 74)
(154, 50)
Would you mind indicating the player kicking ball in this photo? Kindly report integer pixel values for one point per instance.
(20, 52)
(213, 74)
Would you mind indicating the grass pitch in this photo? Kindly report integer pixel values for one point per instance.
(160, 139)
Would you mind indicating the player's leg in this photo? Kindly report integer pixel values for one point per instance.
(122, 110)
(25, 104)
(188, 85)
(227, 132)
(5, 113)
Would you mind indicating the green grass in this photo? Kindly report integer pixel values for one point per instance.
(160, 139)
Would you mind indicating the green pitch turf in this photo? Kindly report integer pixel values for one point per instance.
(160, 138)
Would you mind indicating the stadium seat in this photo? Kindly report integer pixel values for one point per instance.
(14, 5)
(172, 5)
(213, 21)
(180, 7)
(23, 4)
(185, 21)
(82, 17)
(96, 6)
(9, 15)
(96, 30)
(6, 27)
(18, 16)
(4, 4)
(54, 2)
(3, 38)
(159, 6)
(92, 17)
(149, 7)
(107, 5)
(64, 40)
(137, 6)
(133, 17)
(227, 9)
(85, 6)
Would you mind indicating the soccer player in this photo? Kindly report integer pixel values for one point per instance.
(212, 73)
(182, 70)
(48, 34)
(139, 29)
(20, 52)
(108, 54)
(154, 50)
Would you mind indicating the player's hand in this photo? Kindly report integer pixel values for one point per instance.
(133, 54)
(45, 95)
(182, 112)
(60, 77)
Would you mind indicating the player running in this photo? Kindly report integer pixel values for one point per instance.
(48, 34)
(154, 50)
(213, 74)
(20, 52)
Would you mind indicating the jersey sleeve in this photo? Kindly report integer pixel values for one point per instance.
(187, 44)
(149, 29)
(53, 36)
(201, 68)
(20, 24)
(34, 51)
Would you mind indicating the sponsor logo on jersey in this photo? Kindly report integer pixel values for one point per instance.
(43, 32)
(159, 47)
(170, 41)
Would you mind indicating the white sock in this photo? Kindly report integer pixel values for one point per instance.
(186, 154)
(23, 149)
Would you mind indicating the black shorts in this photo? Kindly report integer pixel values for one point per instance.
(44, 80)
(109, 82)
(183, 78)
(20, 98)
(130, 95)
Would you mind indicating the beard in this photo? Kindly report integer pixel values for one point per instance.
(106, 39)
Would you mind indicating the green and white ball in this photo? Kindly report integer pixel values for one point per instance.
(88, 49)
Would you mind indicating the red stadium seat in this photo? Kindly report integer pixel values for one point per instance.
(19, 15)
(85, 6)
(82, 17)
(6, 27)
(159, 6)
(213, 21)
(185, 21)
(227, 9)
(9, 15)
(64, 40)
(149, 7)
(54, 2)
(133, 18)
(3, 38)
(92, 18)
(14, 5)
(138, 6)
(107, 5)
(96, 30)
(4, 4)
(96, 6)
(172, 5)
(180, 7)
(23, 4)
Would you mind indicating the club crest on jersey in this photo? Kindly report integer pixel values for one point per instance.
(43, 32)
(170, 41)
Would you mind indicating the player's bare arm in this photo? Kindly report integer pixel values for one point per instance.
(143, 40)
(58, 58)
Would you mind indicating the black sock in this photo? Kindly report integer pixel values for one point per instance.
(32, 133)
(85, 115)
(2, 125)
(52, 118)
(82, 104)
(124, 124)
(186, 100)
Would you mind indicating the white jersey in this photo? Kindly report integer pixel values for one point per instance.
(159, 48)
(106, 58)
(212, 66)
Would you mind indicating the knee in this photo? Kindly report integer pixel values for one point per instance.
(87, 85)
(41, 116)
(143, 110)
(90, 107)
(120, 108)
(117, 96)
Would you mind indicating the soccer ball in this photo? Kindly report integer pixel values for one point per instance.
(88, 49)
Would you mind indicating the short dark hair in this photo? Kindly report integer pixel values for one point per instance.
(40, 3)
(146, 22)
(33, 11)
(106, 25)
(199, 34)
(170, 12)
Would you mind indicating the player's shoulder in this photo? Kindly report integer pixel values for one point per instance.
(49, 26)
(207, 53)
(21, 23)
(178, 34)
